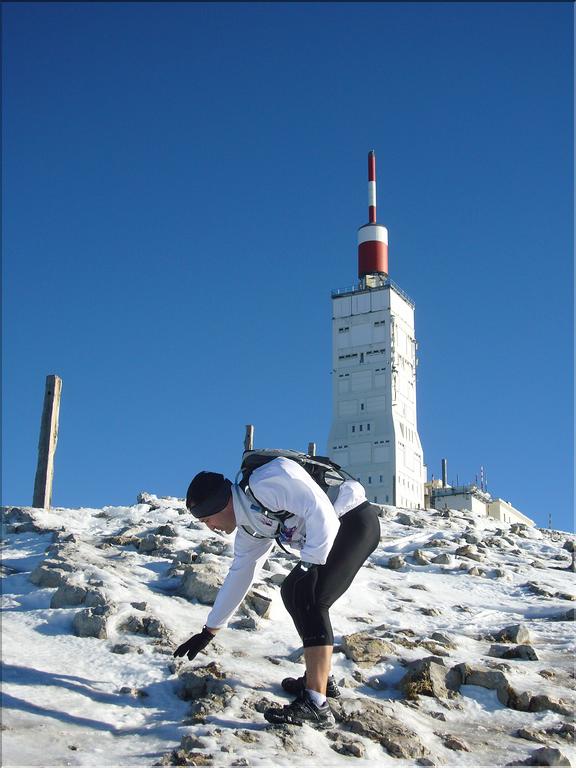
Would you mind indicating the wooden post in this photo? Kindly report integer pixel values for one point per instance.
(249, 438)
(311, 449)
(47, 443)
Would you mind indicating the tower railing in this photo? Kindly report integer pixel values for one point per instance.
(361, 287)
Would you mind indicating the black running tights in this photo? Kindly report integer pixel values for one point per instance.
(308, 595)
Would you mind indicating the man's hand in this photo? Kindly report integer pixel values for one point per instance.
(195, 644)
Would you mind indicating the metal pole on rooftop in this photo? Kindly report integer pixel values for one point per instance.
(311, 449)
(47, 443)
(444, 473)
(249, 438)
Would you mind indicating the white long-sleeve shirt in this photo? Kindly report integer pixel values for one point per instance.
(280, 485)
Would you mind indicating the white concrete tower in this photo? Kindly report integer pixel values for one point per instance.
(374, 433)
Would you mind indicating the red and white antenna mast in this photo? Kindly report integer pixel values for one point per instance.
(372, 237)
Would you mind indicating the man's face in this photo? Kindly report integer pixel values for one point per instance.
(223, 521)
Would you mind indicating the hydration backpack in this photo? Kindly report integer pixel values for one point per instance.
(321, 469)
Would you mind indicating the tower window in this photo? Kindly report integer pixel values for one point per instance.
(353, 428)
(368, 427)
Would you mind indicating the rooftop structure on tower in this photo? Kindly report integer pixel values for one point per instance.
(374, 433)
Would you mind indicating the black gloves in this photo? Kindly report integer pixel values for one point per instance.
(195, 644)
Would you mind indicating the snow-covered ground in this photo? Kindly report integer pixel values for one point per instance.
(113, 700)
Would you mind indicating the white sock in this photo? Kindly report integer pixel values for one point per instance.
(317, 698)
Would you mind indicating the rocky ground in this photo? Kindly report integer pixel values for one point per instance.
(455, 645)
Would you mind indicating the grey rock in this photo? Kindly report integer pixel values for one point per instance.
(248, 623)
(182, 757)
(45, 575)
(429, 677)
(443, 639)
(431, 611)
(151, 544)
(92, 622)
(68, 595)
(28, 528)
(484, 677)
(255, 703)
(470, 551)
(59, 562)
(122, 540)
(296, 656)
(565, 731)
(147, 498)
(141, 606)
(365, 649)
(370, 719)
(539, 589)
(472, 538)
(145, 625)
(548, 674)
(515, 633)
(548, 756)
(531, 734)
(201, 582)
(134, 625)
(95, 597)
(155, 628)
(396, 562)
(544, 702)
(259, 601)
(190, 742)
(199, 682)
(524, 652)
(126, 690)
(494, 679)
(569, 545)
(434, 648)
(458, 745)
(345, 745)
(276, 579)
(444, 559)
(186, 556)
(420, 558)
(248, 737)
(475, 571)
(564, 596)
(215, 546)
(405, 519)
(377, 683)
(167, 530)
(122, 648)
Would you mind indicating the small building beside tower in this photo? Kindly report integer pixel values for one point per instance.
(440, 495)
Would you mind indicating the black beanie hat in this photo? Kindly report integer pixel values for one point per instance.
(208, 493)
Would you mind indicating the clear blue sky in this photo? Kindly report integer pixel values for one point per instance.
(182, 187)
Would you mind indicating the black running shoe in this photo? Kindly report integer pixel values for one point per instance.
(295, 686)
(301, 711)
